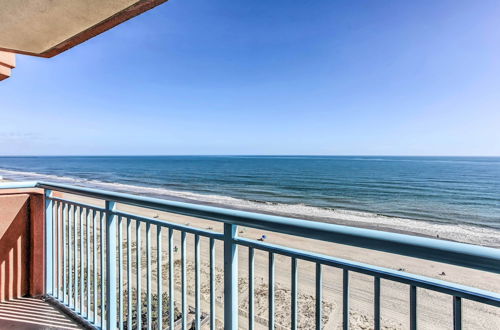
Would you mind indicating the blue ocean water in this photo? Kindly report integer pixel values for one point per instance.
(451, 190)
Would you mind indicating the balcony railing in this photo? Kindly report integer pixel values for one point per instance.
(95, 263)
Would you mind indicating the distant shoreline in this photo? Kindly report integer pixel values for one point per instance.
(359, 224)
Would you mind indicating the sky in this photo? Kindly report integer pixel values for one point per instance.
(268, 77)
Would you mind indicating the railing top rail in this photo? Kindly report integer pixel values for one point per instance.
(460, 254)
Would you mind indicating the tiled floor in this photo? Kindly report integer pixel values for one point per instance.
(33, 314)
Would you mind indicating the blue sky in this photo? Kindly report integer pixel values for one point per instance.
(268, 77)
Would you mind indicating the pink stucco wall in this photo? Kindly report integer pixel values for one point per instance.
(21, 244)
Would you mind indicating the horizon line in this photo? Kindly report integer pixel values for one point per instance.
(249, 155)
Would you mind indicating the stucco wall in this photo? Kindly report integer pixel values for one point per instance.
(21, 245)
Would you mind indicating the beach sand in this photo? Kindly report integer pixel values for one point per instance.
(434, 309)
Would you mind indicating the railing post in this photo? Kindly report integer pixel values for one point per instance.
(230, 278)
(49, 239)
(111, 296)
(457, 313)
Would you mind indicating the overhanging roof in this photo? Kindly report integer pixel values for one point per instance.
(48, 27)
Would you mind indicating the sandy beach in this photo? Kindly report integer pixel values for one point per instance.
(434, 309)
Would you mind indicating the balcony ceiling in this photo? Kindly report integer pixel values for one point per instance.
(48, 27)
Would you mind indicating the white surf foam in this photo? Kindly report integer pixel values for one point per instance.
(457, 232)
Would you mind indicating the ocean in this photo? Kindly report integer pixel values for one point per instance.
(454, 197)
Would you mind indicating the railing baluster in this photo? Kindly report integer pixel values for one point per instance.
(148, 276)
(103, 263)
(49, 252)
(129, 274)
(457, 313)
(76, 280)
(183, 280)
(212, 284)
(94, 265)
(293, 312)
(88, 217)
(345, 300)
(319, 296)
(230, 277)
(65, 251)
(251, 263)
(56, 288)
(70, 255)
(159, 277)
(63, 254)
(413, 307)
(54, 250)
(197, 281)
(271, 291)
(75, 258)
(60, 256)
(376, 304)
(111, 296)
(55, 242)
(120, 272)
(81, 261)
(171, 261)
(138, 309)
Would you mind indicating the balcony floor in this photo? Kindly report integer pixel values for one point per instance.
(33, 314)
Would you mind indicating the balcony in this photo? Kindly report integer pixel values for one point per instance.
(111, 260)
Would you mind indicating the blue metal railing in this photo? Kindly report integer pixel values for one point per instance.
(86, 270)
